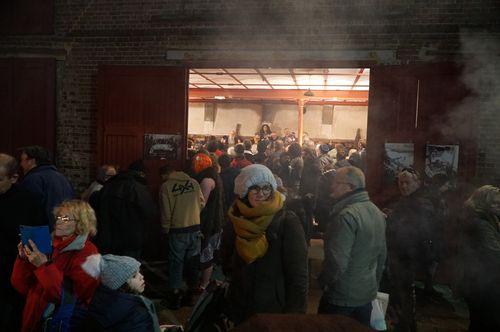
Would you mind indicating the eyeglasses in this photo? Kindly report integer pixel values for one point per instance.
(409, 170)
(266, 190)
(64, 219)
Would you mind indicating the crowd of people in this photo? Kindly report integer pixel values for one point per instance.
(244, 213)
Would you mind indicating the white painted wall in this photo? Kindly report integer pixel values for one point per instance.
(228, 115)
(196, 116)
(346, 120)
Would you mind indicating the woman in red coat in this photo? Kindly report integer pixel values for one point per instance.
(40, 278)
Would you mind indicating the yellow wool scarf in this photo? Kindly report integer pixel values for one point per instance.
(250, 225)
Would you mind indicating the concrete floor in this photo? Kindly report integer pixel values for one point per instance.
(442, 314)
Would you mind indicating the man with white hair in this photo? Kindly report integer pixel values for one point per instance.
(355, 249)
(414, 240)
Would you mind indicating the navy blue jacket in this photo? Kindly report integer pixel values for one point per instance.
(50, 186)
(113, 310)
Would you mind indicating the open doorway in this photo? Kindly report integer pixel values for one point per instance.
(323, 105)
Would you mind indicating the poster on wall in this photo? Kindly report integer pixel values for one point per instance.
(397, 157)
(162, 146)
(441, 160)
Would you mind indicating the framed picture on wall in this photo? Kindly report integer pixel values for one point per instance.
(397, 156)
(441, 160)
(163, 146)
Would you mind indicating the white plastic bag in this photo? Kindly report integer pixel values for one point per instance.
(379, 306)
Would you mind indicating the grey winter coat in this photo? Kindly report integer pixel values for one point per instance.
(355, 251)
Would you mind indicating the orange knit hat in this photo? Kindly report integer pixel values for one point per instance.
(200, 162)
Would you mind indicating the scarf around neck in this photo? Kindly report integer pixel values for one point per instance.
(250, 225)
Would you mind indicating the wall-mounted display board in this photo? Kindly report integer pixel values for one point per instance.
(397, 157)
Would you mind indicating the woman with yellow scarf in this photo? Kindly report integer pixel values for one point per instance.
(263, 250)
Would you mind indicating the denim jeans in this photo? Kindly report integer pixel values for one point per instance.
(362, 313)
(183, 255)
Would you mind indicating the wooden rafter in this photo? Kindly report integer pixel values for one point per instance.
(263, 77)
(203, 75)
(293, 77)
(325, 81)
(234, 78)
(279, 74)
(357, 78)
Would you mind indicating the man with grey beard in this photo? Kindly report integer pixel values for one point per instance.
(18, 207)
(355, 250)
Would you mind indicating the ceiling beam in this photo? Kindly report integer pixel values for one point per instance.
(202, 75)
(325, 80)
(293, 77)
(250, 94)
(276, 101)
(234, 78)
(357, 78)
(263, 77)
(200, 71)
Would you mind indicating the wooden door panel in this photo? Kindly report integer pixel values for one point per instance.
(6, 105)
(122, 149)
(134, 101)
(440, 119)
(27, 103)
(33, 100)
(124, 102)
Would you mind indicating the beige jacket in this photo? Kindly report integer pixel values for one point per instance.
(181, 202)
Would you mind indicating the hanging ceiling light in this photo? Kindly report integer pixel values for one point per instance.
(309, 93)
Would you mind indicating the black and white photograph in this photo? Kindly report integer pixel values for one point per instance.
(441, 160)
(397, 157)
(162, 146)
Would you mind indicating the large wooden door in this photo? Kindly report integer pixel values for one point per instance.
(417, 104)
(134, 101)
(27, 104)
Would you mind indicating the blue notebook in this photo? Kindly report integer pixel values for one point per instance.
(38, 234)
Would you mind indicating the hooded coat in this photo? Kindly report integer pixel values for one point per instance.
(123, 207)
(43, 285)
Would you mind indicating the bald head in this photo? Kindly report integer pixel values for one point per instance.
(353, 176)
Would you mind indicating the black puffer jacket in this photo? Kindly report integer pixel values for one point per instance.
(274, 283)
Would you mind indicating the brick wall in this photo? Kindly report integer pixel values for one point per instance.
(89, 33)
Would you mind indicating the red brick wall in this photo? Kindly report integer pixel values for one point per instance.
(91, 33)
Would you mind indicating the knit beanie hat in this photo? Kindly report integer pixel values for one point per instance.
(253, 175)
(200, 162)
(324, 148)
(114, 271)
